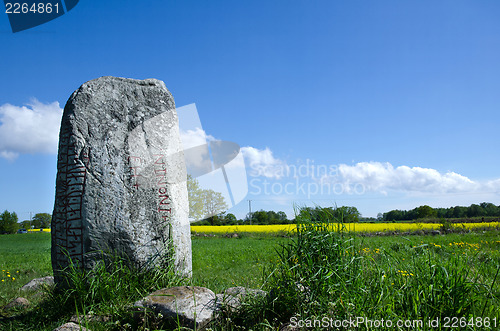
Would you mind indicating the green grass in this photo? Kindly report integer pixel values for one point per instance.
(332, 274)
(318, 273)
(220, 263)
(24, 256)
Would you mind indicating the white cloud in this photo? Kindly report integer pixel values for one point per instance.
(31, 129)
(494, 185)
(263, 163)
(196, 152)
(379, 177)
(194, 138)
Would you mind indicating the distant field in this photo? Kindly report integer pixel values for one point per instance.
(356, 227)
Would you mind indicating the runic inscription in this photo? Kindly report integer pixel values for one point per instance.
(139, 178)
(164, 200)
(67, 217)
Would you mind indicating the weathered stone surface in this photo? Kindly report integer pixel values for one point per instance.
(83, 319)
(121, 174)
(18, 303)
(232, 297)
(193, 305)
(289, 327)
(70, 326)
(36, 283)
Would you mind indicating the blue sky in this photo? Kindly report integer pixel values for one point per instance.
(400, 98)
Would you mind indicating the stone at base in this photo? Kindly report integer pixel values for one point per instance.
(18, 303)
(193, 305)
(71, 327)
(36, 283)
(232, 298)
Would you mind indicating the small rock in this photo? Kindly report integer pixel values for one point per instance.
(231, 235)
(36, 283)
(18, 303)
(232, 297)
(193, 305)
(435, 232)
(71, 327)
(289, 327)
(89, 318)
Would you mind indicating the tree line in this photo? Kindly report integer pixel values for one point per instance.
(9, 222)
(484, 209)
(260, 217)
(263, 217)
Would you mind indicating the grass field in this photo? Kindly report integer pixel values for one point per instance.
(23, 257)
(398, 277)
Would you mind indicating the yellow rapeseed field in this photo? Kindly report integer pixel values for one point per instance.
(243, 228)
(358, 227)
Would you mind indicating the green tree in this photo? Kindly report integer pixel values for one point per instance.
(230, 219)
(490, 209)
(41, 221)
(348, 214)
(475, 211)
(195, 196)
(459, 211)
(204, 204)
(8, 222)
(273, 217)
(260, 217)
(213, 203)
(283, 218)
(425, 212)
(393, 215)
(215, 219)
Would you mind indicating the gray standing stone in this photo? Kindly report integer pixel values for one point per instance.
(120, 184)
